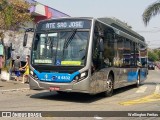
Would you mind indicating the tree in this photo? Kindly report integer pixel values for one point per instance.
(152, 56)
(157, 52)
(151, 11)
(13, 15)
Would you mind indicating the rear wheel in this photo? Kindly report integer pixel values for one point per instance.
(110, 83)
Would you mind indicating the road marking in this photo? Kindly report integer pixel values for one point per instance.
(150, 98)
(157, 90)
(141, 89)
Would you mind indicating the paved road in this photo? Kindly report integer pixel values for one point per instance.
(17, 97)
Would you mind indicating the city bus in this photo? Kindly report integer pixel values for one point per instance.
(85, 55)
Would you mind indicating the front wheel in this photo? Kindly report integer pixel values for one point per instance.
(110, 83)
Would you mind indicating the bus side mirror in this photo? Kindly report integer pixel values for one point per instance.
(101, 45)
(25, 39)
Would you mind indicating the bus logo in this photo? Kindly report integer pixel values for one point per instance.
(54, 78)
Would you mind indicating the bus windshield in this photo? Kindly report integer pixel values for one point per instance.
(62, 48)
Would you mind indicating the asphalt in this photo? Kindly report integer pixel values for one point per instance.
(11, 85)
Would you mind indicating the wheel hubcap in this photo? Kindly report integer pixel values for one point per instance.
(110, 86)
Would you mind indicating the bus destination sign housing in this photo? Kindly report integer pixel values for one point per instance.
(65, 24)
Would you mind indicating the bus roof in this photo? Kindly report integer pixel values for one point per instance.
(116, 23)
(61, 18)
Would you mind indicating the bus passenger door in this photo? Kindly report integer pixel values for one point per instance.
(134, 60)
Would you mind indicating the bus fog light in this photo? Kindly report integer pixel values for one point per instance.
(76, 78)
(35, 77)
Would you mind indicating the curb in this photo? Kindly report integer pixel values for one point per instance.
(10, 90)
(11, 81)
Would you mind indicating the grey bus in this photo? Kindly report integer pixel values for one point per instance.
(87, 55)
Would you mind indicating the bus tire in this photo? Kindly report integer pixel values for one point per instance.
(110, 83)
(138, 81)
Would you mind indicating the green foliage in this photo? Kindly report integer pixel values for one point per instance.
(154, 55)
(158, 53)
(8, 16)
(14, 14)
(151, 11)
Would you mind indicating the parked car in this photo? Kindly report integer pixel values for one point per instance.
(151, 65)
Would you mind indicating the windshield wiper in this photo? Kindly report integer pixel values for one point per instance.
(69, 39)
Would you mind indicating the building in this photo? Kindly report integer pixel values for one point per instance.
(39, 12)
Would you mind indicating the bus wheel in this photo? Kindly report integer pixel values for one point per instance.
(110, 83)
(138, 81)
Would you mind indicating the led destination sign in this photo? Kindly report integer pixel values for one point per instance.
(77, 24)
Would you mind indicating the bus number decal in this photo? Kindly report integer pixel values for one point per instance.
(65, 77)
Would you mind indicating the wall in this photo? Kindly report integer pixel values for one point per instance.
(16, 38)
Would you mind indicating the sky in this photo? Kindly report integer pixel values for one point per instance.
(129, 11)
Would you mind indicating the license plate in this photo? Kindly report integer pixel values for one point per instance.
(54, 88)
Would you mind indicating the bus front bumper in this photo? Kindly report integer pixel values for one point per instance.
(81, 86)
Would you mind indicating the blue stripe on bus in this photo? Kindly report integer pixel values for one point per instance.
(132, 76)
(56, 77)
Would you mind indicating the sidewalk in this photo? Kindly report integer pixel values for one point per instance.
(12, 85)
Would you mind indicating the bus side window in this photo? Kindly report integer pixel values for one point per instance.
(95, 53)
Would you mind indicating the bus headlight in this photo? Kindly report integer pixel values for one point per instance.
(81, 76)
(31, 72)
